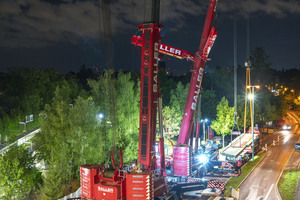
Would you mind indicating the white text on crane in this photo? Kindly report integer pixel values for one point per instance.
(171, 50)
(155, 71)
(197, 89)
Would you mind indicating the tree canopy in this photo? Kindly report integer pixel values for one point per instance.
(18, 174)
(224, 121)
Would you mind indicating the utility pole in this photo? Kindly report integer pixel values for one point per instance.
(235, 82)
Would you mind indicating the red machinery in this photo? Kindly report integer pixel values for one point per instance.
(182, 152)
(100, 183)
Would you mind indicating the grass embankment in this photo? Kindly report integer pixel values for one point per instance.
(246, 169)
(288, 183)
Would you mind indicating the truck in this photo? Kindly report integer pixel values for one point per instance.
(240, 149)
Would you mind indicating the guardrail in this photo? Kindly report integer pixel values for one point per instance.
(24, 137)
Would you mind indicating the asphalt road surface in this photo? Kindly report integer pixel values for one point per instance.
(262, 182)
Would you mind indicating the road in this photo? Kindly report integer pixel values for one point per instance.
(261, 184)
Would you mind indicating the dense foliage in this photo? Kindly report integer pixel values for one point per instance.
(74, 135)
(18, 176)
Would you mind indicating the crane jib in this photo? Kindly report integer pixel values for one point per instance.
(172, 50)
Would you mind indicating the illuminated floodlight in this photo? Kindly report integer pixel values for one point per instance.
(100, 116)
(202, 158)
(253, 86)
(251, 96)
(204, 120)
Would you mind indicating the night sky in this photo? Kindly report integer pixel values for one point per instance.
(66, 34)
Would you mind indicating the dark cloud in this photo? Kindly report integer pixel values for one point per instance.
(33, 23)
(243, 8)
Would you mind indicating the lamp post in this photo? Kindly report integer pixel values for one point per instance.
(251, 97)
(24, 123)
(293, 92)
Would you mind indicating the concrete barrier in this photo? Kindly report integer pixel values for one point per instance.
(76, 194)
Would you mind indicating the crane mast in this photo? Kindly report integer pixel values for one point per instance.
(182, 152)
(149, 93)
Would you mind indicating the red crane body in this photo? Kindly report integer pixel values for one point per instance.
(148, 94)
(208, 37)
(182, 152)
(100, 183)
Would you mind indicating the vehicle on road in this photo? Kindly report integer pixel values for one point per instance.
(287, 127)
(297, 146)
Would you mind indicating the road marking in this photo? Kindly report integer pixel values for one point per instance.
(269, 192)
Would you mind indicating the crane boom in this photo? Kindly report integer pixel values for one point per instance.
(207, 40)
(182, 153)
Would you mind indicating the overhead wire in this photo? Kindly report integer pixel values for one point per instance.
(132, 71)
(99, 24)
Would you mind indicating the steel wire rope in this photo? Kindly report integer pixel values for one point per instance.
(96, 67)
(131, 114)
(99, 37)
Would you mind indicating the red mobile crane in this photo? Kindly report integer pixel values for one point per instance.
(182, 152)
(100, 183)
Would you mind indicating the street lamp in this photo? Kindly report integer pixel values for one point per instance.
(100, 117)
(251, 97)
(293, 91)
(24, 123)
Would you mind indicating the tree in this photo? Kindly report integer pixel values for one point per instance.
(222, 82)
(172, 121)
(23, 92)
(18, 175)
(262, 72)
(53, 142)
(178, 98)
(122, 113)
(223, 124)
(173, 114)
(166, 84)
(208, 104)
(72, 135)
(52, 182)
